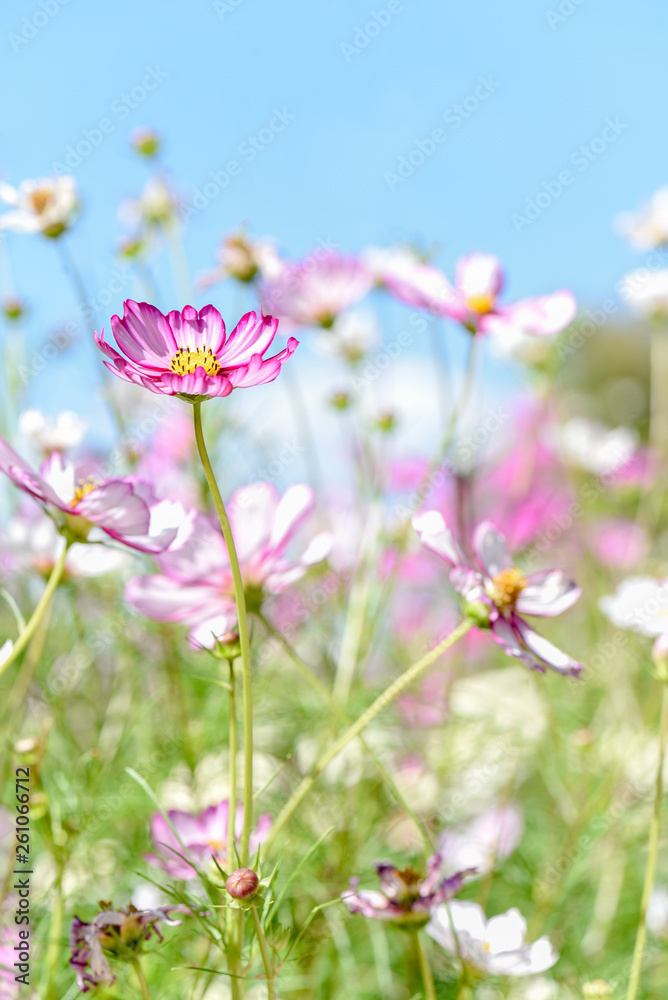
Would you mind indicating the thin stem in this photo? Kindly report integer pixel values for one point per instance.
(381, 702)
(37, 615)
(54, 949)
(463, 399)
(425, 968)
(232, 798)
(136, 965)
(266, 958)
(244, 642)
(652, 852)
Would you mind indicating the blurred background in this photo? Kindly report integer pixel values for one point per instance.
(329, 109)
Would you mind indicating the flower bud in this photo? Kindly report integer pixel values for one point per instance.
(340, 400)
(145, 141)
(242, 883)
(13, 308)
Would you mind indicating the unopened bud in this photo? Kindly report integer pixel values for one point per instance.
(145, 141)
(478, 611)
(340, 400)
(242, 883)
(386, 421)
(13, 308)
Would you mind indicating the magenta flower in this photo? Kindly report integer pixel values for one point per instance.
(499, 594)
(195, 586)
(188, 354)
(314, 291)
(204, 836)
(124, 508)
(473, 300)
(406, 897)
(119, 934)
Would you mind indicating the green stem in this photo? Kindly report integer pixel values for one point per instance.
(37, 615)
(136, 965)
(344, 718)
(381, 702)
(652, 852)
(425, 969)
(244, 642)
(55, 946)
(266, 958)
(232, 798)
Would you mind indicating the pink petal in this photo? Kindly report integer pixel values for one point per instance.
(434, 534)
(144, 335)
(548, 594)
(428, 288)
(544, 650)
(544, 316)
(490, 549)
(253, 334)
(479, 275)
(295, 505)
(252, 512)
(194, 329)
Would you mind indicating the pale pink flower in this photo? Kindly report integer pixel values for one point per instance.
(203, 835)
(64, 432)
(188, 353)
(244, 259)
(195, 586)
(495, 946)
(485, 840)
(648, 227)
(501, 594)
(406, 897)
(314, 291)
(473, 299)
(618, 543)
(125, 508)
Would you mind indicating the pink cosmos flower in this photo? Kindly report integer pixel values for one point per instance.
(406, 897)
(116, 933)
(473, 299)
(203, 835)
(503, 592)
(618, 543)
(480, 844)
(125, 508)
(195, 586)
(314, 291)
(188, 353)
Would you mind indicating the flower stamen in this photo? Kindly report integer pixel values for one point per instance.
(507, 586)
(85, 487)
(481, 304)
(187, 360)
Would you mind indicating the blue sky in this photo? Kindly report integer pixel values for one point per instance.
(355, 87)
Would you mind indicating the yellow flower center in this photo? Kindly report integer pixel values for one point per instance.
(507, 587)
(217, 846)
(85, 487)
(480, 303)
(186, 361)
(40, 199)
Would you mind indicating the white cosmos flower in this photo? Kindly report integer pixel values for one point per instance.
(390, 262)
(648, 227)
(48, 434)
(597, 448)
(640, 603)
(495, 946)
(46, 205)
(646, 292)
